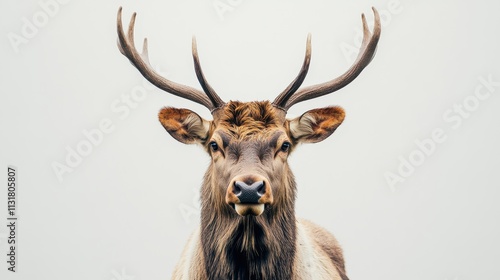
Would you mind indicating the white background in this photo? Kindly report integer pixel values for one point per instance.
(125, 210)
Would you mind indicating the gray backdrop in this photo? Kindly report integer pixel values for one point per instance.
(409, 183)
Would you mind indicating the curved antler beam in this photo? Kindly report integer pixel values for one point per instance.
(366, 53)
(126, 45)
(282, 99)
(214, 98)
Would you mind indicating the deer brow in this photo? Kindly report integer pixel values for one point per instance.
(226, 138)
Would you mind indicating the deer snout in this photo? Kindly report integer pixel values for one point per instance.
(249, 194)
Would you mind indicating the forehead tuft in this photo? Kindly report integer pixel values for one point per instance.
(243, 119)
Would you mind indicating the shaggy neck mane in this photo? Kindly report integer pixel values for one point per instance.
(236, 247)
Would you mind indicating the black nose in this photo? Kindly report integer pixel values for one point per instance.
(249, 193)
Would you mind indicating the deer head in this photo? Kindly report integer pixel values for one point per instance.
(249, 142)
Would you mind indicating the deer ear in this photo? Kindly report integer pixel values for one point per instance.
(316, 125)
(184, 125)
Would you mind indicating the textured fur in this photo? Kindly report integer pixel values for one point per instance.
(274, 245)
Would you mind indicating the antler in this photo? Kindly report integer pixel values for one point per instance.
(289, 97)
(208, 98)
(282, 99)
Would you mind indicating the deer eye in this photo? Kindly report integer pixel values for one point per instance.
(285, 146)
(214, 146)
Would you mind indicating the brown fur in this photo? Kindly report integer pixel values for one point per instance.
(248, 247)
(253, 140)
(245, 119)
(229, 246)
(183, 124)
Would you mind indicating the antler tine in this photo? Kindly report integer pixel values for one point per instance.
(281, 100)
(365, 56)
(214, 98)
(141, 62)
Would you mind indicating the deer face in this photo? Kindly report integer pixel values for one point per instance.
(249, 144)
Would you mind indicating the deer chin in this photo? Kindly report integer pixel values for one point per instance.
(244, 209)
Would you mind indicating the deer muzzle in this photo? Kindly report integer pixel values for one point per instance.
(249, 195)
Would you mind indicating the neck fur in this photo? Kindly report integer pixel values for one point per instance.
(236, 247)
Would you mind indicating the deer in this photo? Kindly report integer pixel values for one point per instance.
(248, 228)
